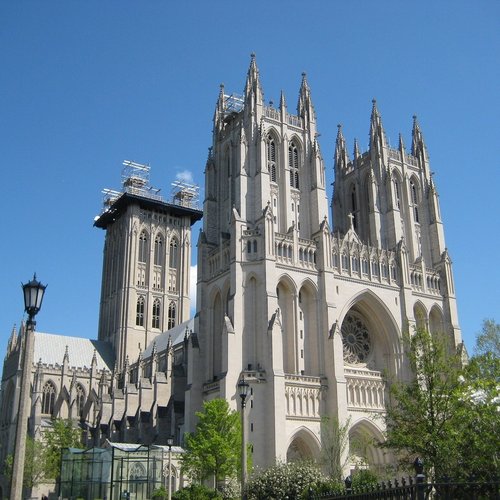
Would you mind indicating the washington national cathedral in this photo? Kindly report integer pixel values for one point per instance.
(307, 301)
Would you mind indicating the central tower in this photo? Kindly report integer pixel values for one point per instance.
(262, 245)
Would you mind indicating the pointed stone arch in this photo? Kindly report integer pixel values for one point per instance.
(436, 321)
(420, 315)
(286, 291)
(308, 340)
(382, 327)
(303, 444)
(364, 437)
(251, 339)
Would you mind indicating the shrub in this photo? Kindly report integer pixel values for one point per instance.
(285, 480)
(363, 479)
(196, 492)
(160, 493)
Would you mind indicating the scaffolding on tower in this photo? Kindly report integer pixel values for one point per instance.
(185, 194)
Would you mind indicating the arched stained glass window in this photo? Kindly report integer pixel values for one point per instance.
(171, 315)
(156, 313)
(48, 398)
(414, 199)
(271, 157)
(139, 318)
(293, 163)
(80, 399)
(173, 255)
(143, 247)
(159, 250)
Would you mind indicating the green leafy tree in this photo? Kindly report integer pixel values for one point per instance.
(478, 414)
(420, 415)
(34, 464)
(488, 341)
(449, 414)
(42, 462)
(63, 434)
(334, 447)
(214, 449)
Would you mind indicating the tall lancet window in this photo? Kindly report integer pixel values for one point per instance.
(271, 157)
(143, 247)
(48, 398)
(139, 317)
(156, 313)
(159, 250)
(396, 193)
(414, 199)
(354, 208)
(171, 315)
(173, 257)
(80, 400)
(293, 163)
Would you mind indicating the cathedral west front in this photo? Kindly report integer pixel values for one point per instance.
(306, 299)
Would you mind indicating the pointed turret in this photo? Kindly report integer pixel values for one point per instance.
(253, 90)
(220, 109)
(377, 133)
(418, 147)
(282, 102)
(401, 144)
(341, 155)
(12, 341)
(66, 356)
(305, 108)
(356, 151)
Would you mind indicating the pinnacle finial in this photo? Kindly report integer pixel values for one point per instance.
(252, 56)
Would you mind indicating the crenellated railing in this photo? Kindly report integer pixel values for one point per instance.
(426, 280)
(366, 390)
(296, 121)
(275, 114)
(307, 253)
(302, 397)
(219, 259)
(357, 260)
(272, 113)
(283, 248)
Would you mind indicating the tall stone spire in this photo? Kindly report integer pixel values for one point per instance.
(220, 106)
(253, 89)
(341, 155)
(401, 144)
(282, 102)
(377, 133)
(305, 108)
(418, 147)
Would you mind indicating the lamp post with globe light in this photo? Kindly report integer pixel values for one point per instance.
(243, 387)
(33, 295)
(170, 442)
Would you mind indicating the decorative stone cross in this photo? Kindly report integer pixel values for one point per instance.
(351, 220)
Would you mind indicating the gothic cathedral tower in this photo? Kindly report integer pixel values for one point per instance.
(310, 317)
(146, 265)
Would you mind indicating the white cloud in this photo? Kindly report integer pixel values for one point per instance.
(185, 176)
(192, 287)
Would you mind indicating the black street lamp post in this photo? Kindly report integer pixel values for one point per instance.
(33, 295)
(170, 442)
(243, 387)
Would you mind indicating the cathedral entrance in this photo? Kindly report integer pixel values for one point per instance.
(304, 445)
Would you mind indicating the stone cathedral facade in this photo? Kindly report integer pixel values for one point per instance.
(309, 308)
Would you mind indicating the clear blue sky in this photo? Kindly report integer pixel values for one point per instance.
(85, 85)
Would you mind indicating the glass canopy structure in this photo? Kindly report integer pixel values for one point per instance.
(119, 471)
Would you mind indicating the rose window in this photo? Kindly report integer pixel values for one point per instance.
(356, 340)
